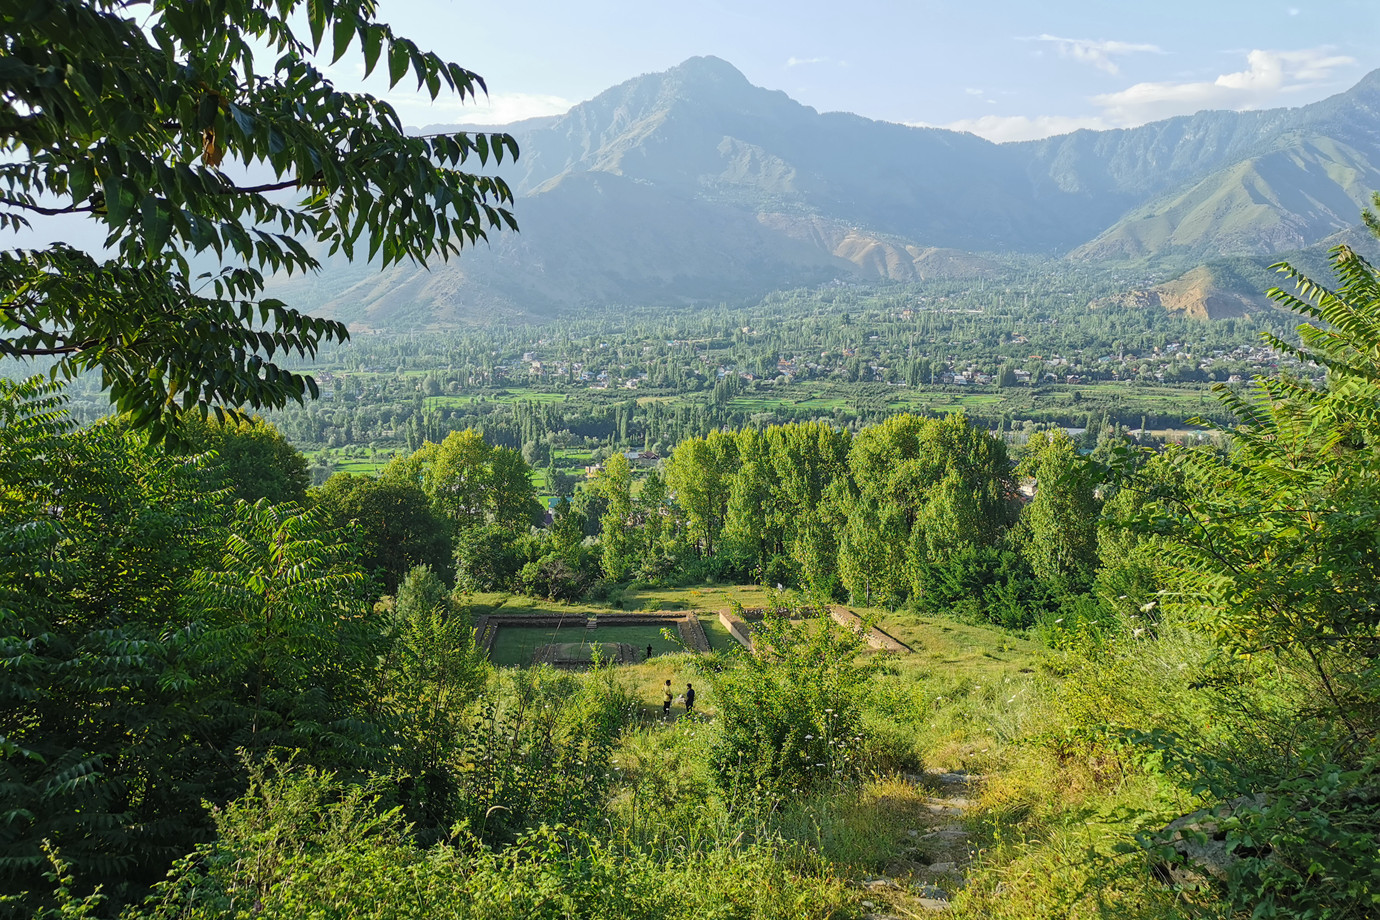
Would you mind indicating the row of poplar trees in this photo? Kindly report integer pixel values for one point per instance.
(878, 515)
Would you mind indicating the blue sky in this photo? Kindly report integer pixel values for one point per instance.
(1006, 69)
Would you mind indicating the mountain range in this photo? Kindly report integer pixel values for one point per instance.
(694, 185)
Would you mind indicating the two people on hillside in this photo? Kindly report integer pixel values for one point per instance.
(668, 696)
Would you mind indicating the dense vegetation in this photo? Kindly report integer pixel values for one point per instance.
(1014, 353)
(125, 113)
(227, 692)
(1210, 646)
(1021, 352)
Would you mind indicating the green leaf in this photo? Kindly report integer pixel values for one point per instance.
(372, 38)
(156, 225)
(342, 33)
(398, 59)
(81, 180)
(317, 13)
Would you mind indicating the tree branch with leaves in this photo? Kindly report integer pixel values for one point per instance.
(151, 118)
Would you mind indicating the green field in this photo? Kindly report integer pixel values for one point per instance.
(708, 598)
(514, 645)
(1130, 397)
(719, 638)
(939, 643)
(364, 467)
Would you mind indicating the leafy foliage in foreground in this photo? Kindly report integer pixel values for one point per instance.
(300, 843)
(1278, 538)
(1248, 685)
(133, 114)
(102, 752)
(138, 662)
(1279, 559)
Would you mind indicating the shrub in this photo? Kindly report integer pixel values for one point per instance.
(790, 713)
(539, 752)
(301, 844)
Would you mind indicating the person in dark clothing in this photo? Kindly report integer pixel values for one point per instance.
(689, 699)
(649, 650)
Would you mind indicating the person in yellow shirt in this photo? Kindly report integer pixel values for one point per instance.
(667, 696)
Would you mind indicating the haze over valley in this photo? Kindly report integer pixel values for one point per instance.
(693, 185)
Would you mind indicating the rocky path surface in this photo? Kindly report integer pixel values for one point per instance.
(932, 868)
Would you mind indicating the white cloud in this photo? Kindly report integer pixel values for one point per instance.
(1002, 128)
(1267, 80)
(1097, 53)
(496, 109)
(797, 62)
(973, 92)
(1268, 76)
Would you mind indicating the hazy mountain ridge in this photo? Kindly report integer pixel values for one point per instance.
(693, 184)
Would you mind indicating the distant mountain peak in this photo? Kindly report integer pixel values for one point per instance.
(708, 79)
(711, 68)
(692, 183)
(1368, 87)
(1370, 80)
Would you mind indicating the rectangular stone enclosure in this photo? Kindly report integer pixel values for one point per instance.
(569, 642)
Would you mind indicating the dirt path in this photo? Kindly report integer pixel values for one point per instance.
(921, 882)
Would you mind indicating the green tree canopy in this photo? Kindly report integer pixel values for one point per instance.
(512, 497)
(167, 124)
(1059, 526)
(617, 526)
(459, 478)
(700, 473)
(470, 482)
(395, 527)
(926, 489)
(252, 458)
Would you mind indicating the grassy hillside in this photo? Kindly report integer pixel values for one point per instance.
(1305, 189)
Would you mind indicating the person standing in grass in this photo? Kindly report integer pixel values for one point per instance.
(667, 696)
(649, 650)
(689, 698)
